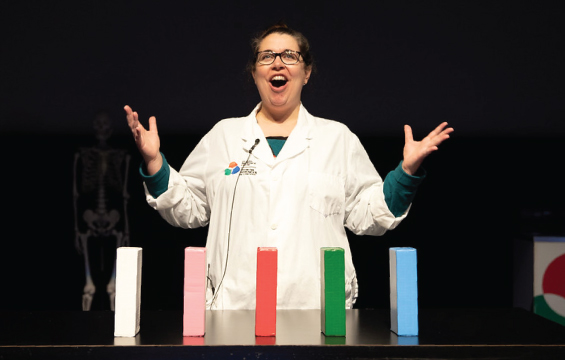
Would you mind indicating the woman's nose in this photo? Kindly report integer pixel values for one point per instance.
(278, 63)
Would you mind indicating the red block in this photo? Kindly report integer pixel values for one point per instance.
(265, 340)
(193, 340)
(266, 292)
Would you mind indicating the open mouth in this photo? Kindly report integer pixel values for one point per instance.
(278, 81)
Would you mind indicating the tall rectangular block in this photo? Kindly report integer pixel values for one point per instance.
(128, 291)
(549, 277)
(194, 314)
(403, 291)
(332, 279)
(266, 292)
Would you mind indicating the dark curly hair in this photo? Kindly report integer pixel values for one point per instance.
(280, 28)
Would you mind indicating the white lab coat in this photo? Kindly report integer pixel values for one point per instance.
(298, 202)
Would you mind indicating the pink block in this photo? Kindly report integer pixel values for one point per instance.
(194, 317)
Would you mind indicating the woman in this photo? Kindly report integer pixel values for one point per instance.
(296, 198)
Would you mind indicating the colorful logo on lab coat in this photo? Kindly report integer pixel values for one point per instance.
(232, 169)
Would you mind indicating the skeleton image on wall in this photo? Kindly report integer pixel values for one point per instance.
(100, 200)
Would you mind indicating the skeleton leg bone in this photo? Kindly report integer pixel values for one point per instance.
(111, 287)
(89, 288)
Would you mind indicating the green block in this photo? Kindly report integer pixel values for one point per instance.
(332, 274)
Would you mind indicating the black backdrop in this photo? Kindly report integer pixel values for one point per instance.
(493, 70)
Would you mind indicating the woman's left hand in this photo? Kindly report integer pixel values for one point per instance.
(416, 151)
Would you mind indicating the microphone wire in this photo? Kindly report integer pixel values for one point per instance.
(229, 226)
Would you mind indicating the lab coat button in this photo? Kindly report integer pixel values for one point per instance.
(274, 226)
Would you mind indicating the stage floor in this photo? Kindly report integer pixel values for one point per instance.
(444, 333)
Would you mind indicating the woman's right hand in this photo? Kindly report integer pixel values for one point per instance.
(147, 141)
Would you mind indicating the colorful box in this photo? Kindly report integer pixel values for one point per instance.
(403, 291)
(266, 292)
(332, 280)
(194, 314)
(549, 277)
(128, 291)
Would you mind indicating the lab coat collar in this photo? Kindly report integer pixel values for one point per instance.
(296, 143)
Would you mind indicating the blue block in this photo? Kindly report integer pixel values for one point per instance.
(403, 291)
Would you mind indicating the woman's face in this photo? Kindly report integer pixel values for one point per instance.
(286, 90)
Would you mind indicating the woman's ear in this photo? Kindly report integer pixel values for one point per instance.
(308, 71)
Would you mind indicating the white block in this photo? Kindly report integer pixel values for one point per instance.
(128, 291)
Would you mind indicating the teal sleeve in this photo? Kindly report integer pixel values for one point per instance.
(400, 188)
(159, 182)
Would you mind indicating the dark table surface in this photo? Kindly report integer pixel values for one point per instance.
(447, 333)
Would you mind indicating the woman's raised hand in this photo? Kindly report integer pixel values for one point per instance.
(147, 141)
(416, 151)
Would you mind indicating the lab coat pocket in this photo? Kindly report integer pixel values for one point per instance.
(326, 193)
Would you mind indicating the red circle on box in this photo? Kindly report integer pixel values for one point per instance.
(554, 277)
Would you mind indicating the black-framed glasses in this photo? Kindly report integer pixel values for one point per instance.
(289, 57)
